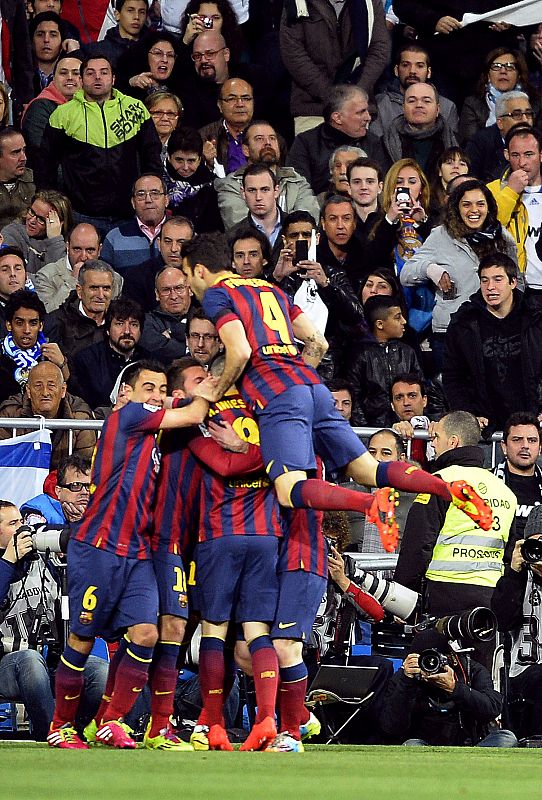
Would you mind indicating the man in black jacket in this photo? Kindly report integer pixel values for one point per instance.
(493, 349)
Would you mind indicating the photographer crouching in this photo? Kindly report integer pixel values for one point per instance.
(30, 623)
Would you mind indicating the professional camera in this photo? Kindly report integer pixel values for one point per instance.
(46, 538)
(531, 550)
(394, 597)
(477, 625)
(432, 662)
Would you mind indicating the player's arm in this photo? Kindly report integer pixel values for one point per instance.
(192, 414)
(224, 462)
(238, 352)
(315, 343)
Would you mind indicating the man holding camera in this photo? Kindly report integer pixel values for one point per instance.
(517, 603)
(28, 595)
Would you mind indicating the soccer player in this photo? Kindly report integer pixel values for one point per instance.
(111, 583)
(259, 327)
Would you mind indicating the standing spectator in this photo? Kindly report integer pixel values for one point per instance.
(165, 109)
(337, 246)
(203, 340)
(250, 253)
(16, 181)
(121, 39)
(102, 140)
(223, 139)
(47, 34)
(260, 192)
(330, 45)
(148, 66)
(201, 89)
(164, 331)
(452, 162)
(12, 279)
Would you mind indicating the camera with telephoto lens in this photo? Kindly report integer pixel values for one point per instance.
(531, 550)
(45, 538)
(432, 662)
(395, 598)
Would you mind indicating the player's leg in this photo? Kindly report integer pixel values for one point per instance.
(69, 683)
(212, 674)
(265, 670)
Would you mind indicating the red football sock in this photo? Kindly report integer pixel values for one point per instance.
(314, 493)
(266, 675)
(132, 675)
(292, 691)
(69, 682)
(410, 479)
(211, 671)
(110, 683)
(162, 681)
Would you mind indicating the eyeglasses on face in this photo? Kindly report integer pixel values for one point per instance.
(518, 114)
(75, 486)
(141, 194)
(31, 213)
(207, 337)
(207, 54)
(509, 66)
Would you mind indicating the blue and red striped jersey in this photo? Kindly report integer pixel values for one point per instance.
(125, 466)
(237, 497)
(266, 314)
(176, 502)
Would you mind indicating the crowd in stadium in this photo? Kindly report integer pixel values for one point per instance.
(234, 231)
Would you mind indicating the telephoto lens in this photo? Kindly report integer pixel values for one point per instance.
(477, 625)
(531, 550)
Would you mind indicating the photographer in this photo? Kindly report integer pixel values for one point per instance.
(452, 706)
(29, 592)
(517, 604)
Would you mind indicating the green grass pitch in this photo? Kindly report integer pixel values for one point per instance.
(34, 772)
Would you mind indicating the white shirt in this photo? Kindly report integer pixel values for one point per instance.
(532, 200)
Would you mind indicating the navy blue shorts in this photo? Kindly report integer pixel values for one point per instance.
(300, 421)
(300, 595)
(171, 582)
(108, 593)
(237, 578)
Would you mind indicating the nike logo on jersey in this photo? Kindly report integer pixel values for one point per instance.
(137, 689)
(69, 697)
(283, 625)
(160, 694)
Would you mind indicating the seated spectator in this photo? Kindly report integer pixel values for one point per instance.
(165, 109)
(31, 590)
(96, 368)
(420, 133)
(147, 66)
(260, 192)
(339, 161)
(261, 145)
(492, 352)
(486, 148)
(40, 237)
(382, 281)
(139, 280)
(450, 256)
(79, 321)
(46, 396)
(70, 31)
(66, 81)
(16, 181)
(63, 500)
(223, 139)
(202, 337)
(54, 282)
(504, 71)
(164, 331)
(452, 162)
(121, 39)
(136, 241)
(346, 120)
(25, 345)
(343, 396)
(250, 253)
(12, 279)
(373, 362)
(189, 182)
(411, 65)
(47, 33)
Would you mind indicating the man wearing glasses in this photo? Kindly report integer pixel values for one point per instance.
(202, 337)
(164, 332)
(224, 138)
(64, 501)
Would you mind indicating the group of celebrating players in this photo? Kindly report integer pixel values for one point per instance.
(210, 469)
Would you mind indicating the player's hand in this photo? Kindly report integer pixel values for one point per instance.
(226, 437)
(447, 25)
(517, 561)
(404, 429)
(142, 81)
(208, 389)
(518, 180)
(313, 270)
(442, 680)
(285, 264)
(18, 547)
(410, 665)
(335, 564)
(53, 224)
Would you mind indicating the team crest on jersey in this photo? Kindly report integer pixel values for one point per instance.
(85, 617)
(183, 600)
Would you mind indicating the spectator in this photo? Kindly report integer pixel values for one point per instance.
(223, 139)
(203, 340)
(343, 396)
(373, 362)
(504, 71)
(136, 240)
(12, 279)
(450, 256)
(4, 106)
(224, 21)
(492, 365)
(486, 148)
(420, 133)
(16, 180)
(139, 280)
(70, 31)
(79, 321)
(452, 162)
(17, 54)
(40, 237)
(517, 204)
(30, 589)
(210, 55)
(337, 246)
(66, 81)
(121, 39)
(261, 145)
(97, 173)
(164, 331)
(46, 396)
(320, 49)
(64, 500)
(189, 181)
(409, 402)
(411, 65)
(55, 281)
(250, 253)
(346, 120)
(47, 34)
(260, 192)
(339, 161)
(519, 470)
(165, 109)
(534, 55)
(25, 345)
(148, 66)
(97, 367)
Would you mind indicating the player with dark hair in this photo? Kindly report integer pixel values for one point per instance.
(111, 582)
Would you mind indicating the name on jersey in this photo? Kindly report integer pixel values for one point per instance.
(474, 552)
(222, 405)
(279, 350)
(256, 483)
(233, 283)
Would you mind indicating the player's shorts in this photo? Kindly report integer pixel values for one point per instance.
(171, 583)
(300, 595)
(237, 579)
(108, 593)
(300, 421)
